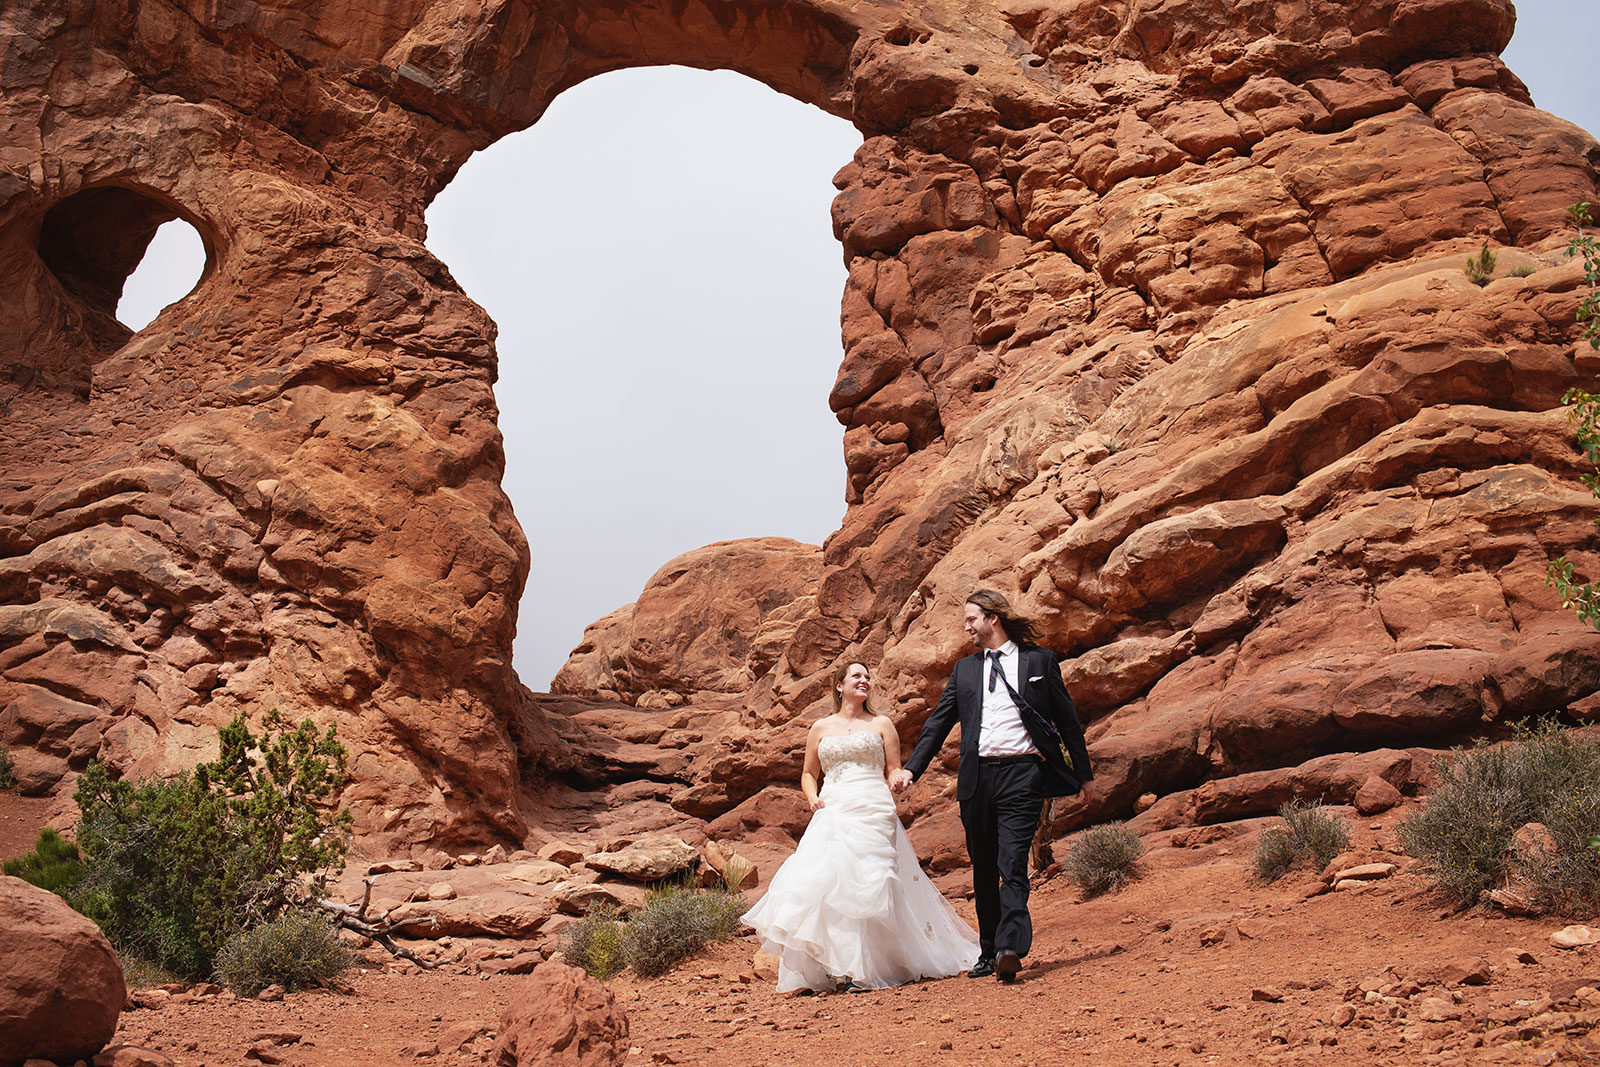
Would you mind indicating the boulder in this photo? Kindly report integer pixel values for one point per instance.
(579, 899)
(720, 864)
(561, 1017)
(61, 987)
(649, 859)
(1377, 794)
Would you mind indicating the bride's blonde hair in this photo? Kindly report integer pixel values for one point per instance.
(838, 680)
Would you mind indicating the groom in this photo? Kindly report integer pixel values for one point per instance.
(1017, 726)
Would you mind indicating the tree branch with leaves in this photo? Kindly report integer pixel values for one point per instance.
(1583, 597)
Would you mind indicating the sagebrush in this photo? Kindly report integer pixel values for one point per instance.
(8, 768)
(1464, 833)
(1104, 858)
(676, 923)
(173, 868)
(594, 943)
(297, 950)
(1309, 834)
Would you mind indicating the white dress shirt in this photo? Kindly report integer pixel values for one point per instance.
(1003, 733)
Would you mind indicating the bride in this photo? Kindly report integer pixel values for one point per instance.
(851, 905)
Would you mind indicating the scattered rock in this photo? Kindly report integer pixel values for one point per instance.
(1365, 872)
(1516, 900)
(717, 859)
(271, 993)
(1266, 994)
(521, 963)
(441, 891)
(1574, 937)
(649, 859)
(457, 1037)
(1437, 1010)
(1466, 972)
(559, 852)
(148, 999)
(131, 1056)
(393, 866)
(61, 987)
(1375, 795)
(577, 899)
(561, 1016)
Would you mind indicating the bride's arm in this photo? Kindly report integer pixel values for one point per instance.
(813, 768)
(891, 745)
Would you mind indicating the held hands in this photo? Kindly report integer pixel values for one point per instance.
(900, 781)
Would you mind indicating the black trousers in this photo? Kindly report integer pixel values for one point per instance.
(1000, 819)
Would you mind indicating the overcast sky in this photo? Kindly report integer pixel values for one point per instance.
(658, 255)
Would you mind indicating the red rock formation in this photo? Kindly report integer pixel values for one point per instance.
(709, 624)
(1155, 320)
(560, 1015)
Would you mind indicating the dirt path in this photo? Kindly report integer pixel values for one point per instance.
(1194, 963)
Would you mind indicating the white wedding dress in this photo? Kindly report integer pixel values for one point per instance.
(852, 902)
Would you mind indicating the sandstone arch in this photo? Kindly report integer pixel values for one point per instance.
(1154, 312)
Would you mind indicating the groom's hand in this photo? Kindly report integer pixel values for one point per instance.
(900, 781)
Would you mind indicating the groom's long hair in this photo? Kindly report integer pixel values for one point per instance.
(1016, 627)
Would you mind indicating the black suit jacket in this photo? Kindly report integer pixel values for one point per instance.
(1040, 685)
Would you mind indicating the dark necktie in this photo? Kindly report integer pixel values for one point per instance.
(994, 672)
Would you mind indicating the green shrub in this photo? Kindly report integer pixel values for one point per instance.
(676, 923)
(1103, 858)
(594, 943)
(8, 769)
(1465, 832)
(1527, 270)
(53, 864)
(296, 950)
(1308, 834)
(174, 868)
(1480, 268)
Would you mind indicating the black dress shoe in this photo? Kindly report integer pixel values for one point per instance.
(1006, 966)
(982, 969)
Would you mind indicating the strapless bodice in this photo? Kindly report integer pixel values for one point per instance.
(863, 748)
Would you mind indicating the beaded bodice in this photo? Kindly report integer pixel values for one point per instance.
(864, 747)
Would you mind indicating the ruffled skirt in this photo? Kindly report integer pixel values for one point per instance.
(852, 902)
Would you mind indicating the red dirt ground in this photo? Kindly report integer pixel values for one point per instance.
(1194, 963)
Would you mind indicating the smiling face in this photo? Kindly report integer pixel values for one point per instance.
(984, 628)
(856, 685)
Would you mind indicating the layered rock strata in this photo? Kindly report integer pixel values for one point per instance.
(1155, 320)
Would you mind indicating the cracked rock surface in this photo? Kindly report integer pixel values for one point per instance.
(1155, 319)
